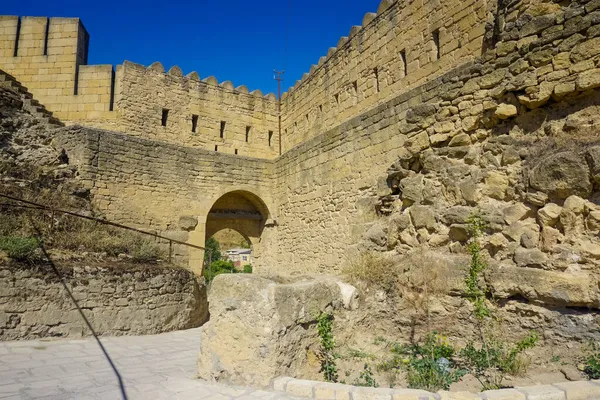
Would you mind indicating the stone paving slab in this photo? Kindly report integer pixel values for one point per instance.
(153, 367)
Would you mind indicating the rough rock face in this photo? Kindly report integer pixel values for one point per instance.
(260, 329)
(541, 213)
(119, 300)
(514, 139)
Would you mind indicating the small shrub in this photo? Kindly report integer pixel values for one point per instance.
(247, 269)
(20, 248)
(366, 378)
(519, 365)
(592, 361)
(355, 353)
(217, 268)
(327, 356)
(491, 362)
(429, 366)
(492, 359)
(379, 340)
(146, 251)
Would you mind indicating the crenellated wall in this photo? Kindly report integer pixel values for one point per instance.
(141, 95)
(538, 84)
(535, 57)
(393, 51)
(49, 57)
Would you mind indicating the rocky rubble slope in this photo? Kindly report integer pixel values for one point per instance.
(515, 138)
(28, 160)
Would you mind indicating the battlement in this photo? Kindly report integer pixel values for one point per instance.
(395, 49)
(49, 56)
(175, 74)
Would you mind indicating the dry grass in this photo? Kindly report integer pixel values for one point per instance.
(412, 276)
(426, 277)
(373, 270)
(64, 232)
(519, 366)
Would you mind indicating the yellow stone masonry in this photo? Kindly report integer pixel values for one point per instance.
(395, 50)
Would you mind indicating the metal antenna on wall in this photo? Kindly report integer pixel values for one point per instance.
(278, 76)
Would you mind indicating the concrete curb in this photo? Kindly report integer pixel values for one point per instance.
(580, 390)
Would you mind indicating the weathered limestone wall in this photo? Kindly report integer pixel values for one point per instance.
(154, 185)
(545, 54)
(117, 300)
(48, 56)
(393, 51)
(142, 93)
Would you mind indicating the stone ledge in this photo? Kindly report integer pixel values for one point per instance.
(580, 390)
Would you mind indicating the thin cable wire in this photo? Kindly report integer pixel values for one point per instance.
(87, 322)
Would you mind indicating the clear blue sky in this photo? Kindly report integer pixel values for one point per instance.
(237, 40)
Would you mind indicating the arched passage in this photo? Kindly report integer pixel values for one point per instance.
(239, 210)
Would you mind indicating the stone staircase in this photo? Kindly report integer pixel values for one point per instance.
(29, 103)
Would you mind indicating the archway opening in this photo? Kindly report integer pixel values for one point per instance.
(234, 223)
(229, 245)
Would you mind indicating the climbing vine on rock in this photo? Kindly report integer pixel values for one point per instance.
(327, 356)
(492, 359)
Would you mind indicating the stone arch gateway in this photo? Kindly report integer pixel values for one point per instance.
(240, 210)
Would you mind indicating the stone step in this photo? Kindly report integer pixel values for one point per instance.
(6, 78)
(29, 103)
(32, 102)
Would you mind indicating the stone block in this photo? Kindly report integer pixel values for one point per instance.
(563, 89)
(366, 393)
(588, 79)
(301, 388)
(412, 394)
(279, 384)
(543, 392)
(504, 394)
(331, 391)
(444, 395)
(579, 390)
(505, 111)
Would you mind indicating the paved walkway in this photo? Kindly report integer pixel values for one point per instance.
(153, 368)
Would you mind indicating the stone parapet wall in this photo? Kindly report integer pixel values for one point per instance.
(403, 45)
(49, 57)
(196, 110)
(583, 390)
(118, 300)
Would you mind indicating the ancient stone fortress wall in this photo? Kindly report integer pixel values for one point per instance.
(117, 300)
(187, 111)
(160, 186)
(536, 84)
(400, 47)
(49, 56)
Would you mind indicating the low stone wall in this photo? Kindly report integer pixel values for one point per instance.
(581, 390)
(118, 300)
